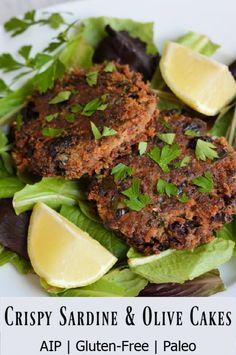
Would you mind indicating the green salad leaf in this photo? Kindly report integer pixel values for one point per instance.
(96, 230)
(7, 256)
(203, 286)
(181, 265)
(199, 43)
(120, 282)
(93, 30)
(228, 232)
(9, 186)
(52, 191)
(225, 124)
(14, 101)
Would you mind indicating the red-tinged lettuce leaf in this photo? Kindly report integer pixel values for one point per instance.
(203, 286)
(120, 47)
(13, 229)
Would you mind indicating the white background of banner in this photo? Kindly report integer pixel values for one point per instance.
(215, 340)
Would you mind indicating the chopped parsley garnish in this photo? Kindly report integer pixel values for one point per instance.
(142, 147)
(76, 108)
(205, 183)
(121, 171)
(110, 68)
(164, 187)
(164, 123)
(17, 25)
(105, 133)
(96, 133)
(167, 137)
(60, 97)
(52, 132)
(19, 121)
(70, 118)
(97, 104)
(92, 78)
(183, 198)
(136, 201)
(191, 133)
(182, 163)
(205, 150)
(164, 156)
(108, 132)
(50, 118)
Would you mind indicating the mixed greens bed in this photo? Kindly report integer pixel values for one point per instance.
(171, 273)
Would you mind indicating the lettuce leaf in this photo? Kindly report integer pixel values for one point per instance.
(52, 191)
(203, 286)
(93, 30)
(96, 230)
(225, 124)
(14, 101)
(9, 186)
(179, 266)
(7, 256)
(120, 282)
(228, 232)
(199, 43)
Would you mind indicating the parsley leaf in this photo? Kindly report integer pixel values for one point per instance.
(182, 163)
(105, 133)
(60, 97)
(167, 137)
(205, 150)
(8, 63)
(70, 118)
(205, 182)
(191, 133)
(166, 187)
(52, 132)
(4, 88)
(92, 78)
(50, 118)
(55, 20)
(108, 132)
(96, 133)
(76, 108)
(183, 198)
(94, 105)
(110, 68)
(137, 201)
(121, 171)
(17, 26)
(24, 52)
(142, 147)
(45, 80)
(41, 59)
(19, 121)
(165, 155)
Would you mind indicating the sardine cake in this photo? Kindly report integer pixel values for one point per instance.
(175, 194)
(85, 122)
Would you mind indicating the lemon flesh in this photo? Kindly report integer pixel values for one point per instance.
(202, 83)
(63, 254)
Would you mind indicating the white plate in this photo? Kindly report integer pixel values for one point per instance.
(172, 18)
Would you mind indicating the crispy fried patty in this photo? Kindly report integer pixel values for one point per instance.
(130, 109)
(166, 222)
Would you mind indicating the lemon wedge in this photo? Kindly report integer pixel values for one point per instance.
(202, 83)
(63, 254)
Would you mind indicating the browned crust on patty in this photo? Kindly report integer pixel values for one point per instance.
(166, 222)
(130, 108)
